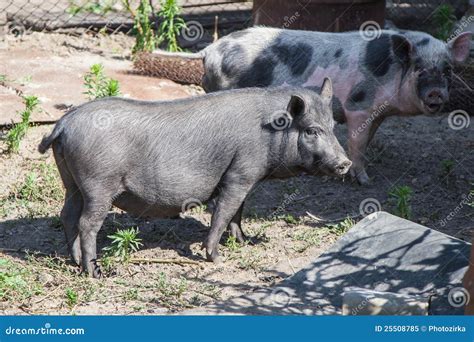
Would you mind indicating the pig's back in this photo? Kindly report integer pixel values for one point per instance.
(179, 135)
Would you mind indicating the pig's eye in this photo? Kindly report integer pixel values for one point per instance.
(311, 131)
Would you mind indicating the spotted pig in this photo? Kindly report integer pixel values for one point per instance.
(396, 73)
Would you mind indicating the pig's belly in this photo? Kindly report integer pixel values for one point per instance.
(141, 208)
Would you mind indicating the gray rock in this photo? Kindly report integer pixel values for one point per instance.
(381, 253)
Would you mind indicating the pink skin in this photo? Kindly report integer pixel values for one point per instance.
(390, 98)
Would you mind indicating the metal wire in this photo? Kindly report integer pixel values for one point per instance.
(110, 15)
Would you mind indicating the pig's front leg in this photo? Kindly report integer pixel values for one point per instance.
(358, 125)
(231, 198)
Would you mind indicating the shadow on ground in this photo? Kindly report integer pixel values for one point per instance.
(382, 253)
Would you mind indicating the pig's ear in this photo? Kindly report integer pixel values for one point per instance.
(326, 91)
(459, 47)
(403, 49)
(296, 106)
(281, 119)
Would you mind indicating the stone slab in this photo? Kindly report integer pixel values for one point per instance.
(381, 253)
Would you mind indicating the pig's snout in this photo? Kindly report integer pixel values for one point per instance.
(434, 100)
(337, 166)
(342, 167)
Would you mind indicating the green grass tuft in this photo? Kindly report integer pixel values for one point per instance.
(71, 297)
(16, 282)
(124, 243)
(401, 196)
(98, 85)
(18, 131)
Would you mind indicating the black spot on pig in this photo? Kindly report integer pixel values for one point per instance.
(418, 63)
(260, 73)
(211, 81)
(431, 80)
(361, 96)
(231, 54)
(297, 57)
(378, 55)
(338, 53)
(357, 96)
(423, 42)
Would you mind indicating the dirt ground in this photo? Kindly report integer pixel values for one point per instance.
(169, 274)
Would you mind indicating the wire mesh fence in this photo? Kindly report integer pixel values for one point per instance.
(422, 14)
(111, 15)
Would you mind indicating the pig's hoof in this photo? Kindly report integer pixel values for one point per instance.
(361, 177)
(93, 270)
(238, 234)
(76, 254)
(213, 256)
(77, 258)
(96, 272)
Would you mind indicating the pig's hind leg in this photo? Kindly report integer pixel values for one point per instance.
(96, 206)
(70, 219)
(235, 226)
(71, 210)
